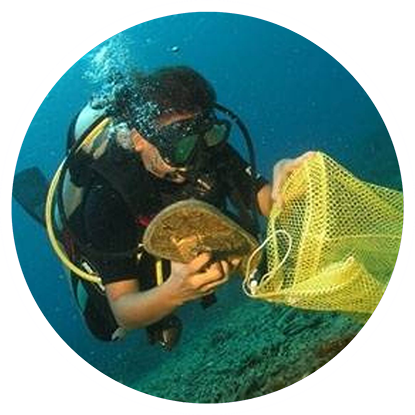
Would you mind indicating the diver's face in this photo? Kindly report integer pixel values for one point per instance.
(154, 163)
(150, 156)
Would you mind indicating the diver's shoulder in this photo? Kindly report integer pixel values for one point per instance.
(87, 117)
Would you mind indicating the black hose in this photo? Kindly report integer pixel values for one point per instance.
(251, 153)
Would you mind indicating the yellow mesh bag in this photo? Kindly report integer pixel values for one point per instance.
(334, 244)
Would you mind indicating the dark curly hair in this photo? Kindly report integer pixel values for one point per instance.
(177, 89)
(143, 98)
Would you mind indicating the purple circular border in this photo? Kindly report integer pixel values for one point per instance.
(403, 253)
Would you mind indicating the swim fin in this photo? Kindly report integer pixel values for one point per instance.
(30, 188)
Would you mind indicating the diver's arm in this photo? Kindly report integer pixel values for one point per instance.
(133, 309)
(264, 200)
(282, 170)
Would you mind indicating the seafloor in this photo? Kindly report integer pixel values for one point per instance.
(243, 350)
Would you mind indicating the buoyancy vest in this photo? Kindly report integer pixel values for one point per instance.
(144, 194)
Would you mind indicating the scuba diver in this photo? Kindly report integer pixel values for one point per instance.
(153, 141)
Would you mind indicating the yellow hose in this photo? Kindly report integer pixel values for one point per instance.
(49, 212)
(159, 272)
(52, 237)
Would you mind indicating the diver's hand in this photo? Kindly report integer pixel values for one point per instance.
(282, 170)
(198, 278)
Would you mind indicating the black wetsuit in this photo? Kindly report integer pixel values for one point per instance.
(122, 197)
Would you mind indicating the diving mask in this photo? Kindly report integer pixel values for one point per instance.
(180, 142)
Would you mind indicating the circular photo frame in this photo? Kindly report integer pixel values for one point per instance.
(238, 114)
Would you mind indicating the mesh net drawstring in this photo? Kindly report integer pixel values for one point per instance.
(250, 281)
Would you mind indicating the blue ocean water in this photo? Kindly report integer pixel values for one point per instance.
(292, 95)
